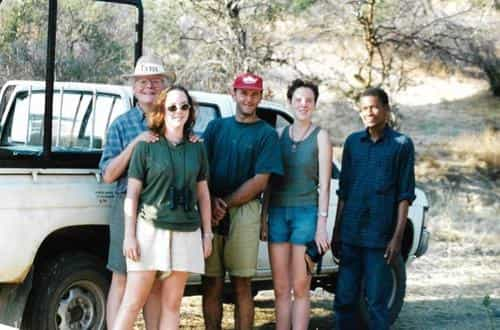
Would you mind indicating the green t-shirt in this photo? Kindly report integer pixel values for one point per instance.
(238, 151)
(161, 165)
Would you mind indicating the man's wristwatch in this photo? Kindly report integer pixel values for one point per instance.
(323, 214)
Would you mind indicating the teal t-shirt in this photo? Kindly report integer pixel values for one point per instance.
(299, 185)
(161, 165)
(238, 151)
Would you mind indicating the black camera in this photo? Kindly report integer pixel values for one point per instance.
(312, 257)
(222, 227)
(179, 197)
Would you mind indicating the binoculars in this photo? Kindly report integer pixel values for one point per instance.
(179, 197)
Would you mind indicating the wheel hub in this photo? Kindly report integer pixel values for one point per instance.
(76, 309)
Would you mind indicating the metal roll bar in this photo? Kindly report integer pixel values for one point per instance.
(50, 64)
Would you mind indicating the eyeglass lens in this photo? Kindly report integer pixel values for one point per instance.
(154, 82)
(175, 107)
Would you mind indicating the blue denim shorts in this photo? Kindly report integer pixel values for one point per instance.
(296, 225)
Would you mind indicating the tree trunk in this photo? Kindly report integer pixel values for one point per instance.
(492, 70)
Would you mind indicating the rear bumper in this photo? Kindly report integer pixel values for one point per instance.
(423, 245)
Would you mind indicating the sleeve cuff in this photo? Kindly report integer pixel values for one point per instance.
(410, 197)
(135, 176)
(102, 167)
(270, 171)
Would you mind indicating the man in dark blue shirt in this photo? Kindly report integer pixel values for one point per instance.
(376, 187)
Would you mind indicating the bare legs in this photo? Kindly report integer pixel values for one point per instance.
(115, 295)
(243, 308)
(116, 290)
(172, 290)
(282, 278)
(152, 307)
(289, 273)
(301, 286)
(137, 291)
(212, 302)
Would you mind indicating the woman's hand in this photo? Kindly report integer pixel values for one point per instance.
(322, 236)
(207, 244)
(131, 248)
(219, 209)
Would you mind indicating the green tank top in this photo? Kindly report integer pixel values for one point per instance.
(299, 185)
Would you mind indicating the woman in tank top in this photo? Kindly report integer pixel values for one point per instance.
(167, 211)
(298, 206)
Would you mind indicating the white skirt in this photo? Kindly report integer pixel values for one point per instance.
(166, 250)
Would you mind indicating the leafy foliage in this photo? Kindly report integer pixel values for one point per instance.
(88, 47)
(301, 5)
(207, 42)
(22, 39)
(210, 41)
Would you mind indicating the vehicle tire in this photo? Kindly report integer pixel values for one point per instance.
(398, 270)
(69, 292)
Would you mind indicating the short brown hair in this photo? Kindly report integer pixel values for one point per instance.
(299, 83)
(156, 117)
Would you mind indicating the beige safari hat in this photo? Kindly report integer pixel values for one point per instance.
(150, 66)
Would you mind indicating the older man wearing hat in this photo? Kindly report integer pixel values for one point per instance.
(148, 80)
(243, 152)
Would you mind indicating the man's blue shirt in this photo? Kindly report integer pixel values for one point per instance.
(238, 151)
(122, 131)
(374, 178)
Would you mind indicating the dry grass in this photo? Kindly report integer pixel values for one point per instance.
(460, 178)
(466, 155)
(480, 150)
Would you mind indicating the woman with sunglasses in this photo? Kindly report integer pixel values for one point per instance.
(167, 181)
(298, 207)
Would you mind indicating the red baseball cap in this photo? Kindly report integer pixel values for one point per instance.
(248, 81)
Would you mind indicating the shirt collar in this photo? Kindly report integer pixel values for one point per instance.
(365, 136)
(164, 140)
(138, 112)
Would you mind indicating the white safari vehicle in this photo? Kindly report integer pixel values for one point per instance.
(54, 207)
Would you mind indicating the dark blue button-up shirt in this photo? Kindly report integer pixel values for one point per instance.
(374, 178)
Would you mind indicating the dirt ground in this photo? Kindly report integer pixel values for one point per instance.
(446, 289)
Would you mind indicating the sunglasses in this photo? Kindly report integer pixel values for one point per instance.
(175, 107)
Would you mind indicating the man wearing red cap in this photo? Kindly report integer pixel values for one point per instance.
(243, 152)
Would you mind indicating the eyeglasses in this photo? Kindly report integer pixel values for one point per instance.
(175, 107)
(156, 82)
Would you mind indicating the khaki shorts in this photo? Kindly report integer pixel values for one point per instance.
(237, 252)
(165, 250)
